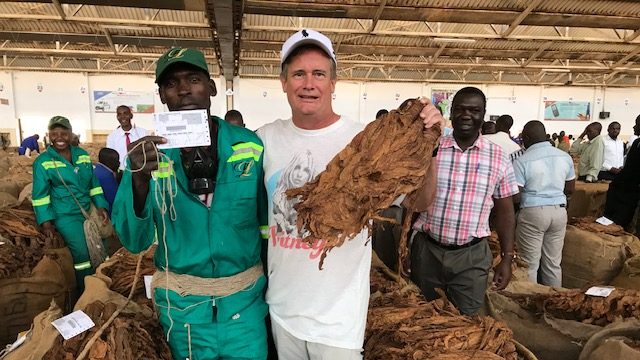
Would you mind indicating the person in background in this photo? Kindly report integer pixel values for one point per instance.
(554, 137)
(623, 193)
(75, 140)
(61, 173)
(29, 145)
(563, 142)
(613, 159)
(382, 112)
(234, 117)
(315, 314)
(209, 287)
(125, 134)
(591, 153)
(108, 174)
(546, 179)
(632, 138)
(488, 128)
(450, 250)
(503, 138)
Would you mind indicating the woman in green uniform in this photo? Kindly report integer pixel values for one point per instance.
(57, 170)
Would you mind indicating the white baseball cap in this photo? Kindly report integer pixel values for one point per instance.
(303, 37)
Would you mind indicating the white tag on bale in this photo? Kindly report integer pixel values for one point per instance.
(73, 324)
(601, 291)
(147, 285)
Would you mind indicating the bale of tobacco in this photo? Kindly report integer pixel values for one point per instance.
(119, 271)
(402, 325)
(33, 270)
(387, 159)
(130, 336)
(594, 253)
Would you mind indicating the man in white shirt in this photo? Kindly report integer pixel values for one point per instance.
(503, 139)
(613, 153)
(315, 314)
(124, 134)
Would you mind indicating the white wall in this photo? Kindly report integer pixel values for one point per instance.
(262, 101)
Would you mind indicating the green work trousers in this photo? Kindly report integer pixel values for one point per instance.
(71, 229)
(201, 328)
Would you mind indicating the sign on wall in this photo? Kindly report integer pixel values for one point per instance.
(108, 101)
(442, 99)
(567, 110)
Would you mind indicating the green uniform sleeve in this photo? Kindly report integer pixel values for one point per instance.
(97, 195)
(41, 194)
(136, 233)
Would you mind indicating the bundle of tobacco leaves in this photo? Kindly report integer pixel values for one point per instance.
(22, 245)
(121, 269)
(402, 325)
(128, 337)
(589, 223)
(387, 159)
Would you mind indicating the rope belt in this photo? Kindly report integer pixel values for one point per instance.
(184, 284)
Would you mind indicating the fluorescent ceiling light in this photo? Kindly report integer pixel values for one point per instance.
(459, 40)
(557, 70)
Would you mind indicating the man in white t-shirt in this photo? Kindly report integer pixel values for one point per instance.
(613, 158)
(503, 139)
(315, 314)
(124, 134)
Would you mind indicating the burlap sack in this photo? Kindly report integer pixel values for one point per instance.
(20, 179)
(21, 299)
(530, 329)
(25, 194)
(9, 187)
(612, 342)
(594, 258)
(629, 277)
(588, 199)
(43, 331)
(7, 200)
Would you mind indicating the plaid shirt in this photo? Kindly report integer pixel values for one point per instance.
(467, 181)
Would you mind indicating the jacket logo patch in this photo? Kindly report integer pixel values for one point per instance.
(244, 168)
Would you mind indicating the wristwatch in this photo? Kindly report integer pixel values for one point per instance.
(511, 255)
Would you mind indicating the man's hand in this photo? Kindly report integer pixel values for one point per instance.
(104, 214)
(502, 274)
(143, 155)
(49, 230)
(430, 115)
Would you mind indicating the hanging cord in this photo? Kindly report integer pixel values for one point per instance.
(160, 194)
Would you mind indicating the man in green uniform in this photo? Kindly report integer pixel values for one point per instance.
(59, 170)
(208, 205)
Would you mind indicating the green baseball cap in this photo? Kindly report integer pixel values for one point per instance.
(180, 55)
(59, 121)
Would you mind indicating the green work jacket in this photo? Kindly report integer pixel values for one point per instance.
(51, 199)
(220, 241)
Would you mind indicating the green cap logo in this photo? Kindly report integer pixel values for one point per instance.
(180, 55)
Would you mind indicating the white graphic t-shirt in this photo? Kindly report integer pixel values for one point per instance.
(327, 306)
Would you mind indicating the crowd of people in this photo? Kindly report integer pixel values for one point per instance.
(233, 272)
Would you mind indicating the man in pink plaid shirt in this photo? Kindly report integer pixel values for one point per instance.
(450, 250)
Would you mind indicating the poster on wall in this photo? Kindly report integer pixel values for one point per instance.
(108, 101)
(442, 100)
(567, 110)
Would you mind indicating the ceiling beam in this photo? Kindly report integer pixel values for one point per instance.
(626, 58)
(59, 9)
(104, 21)
(17, 36)
(437, 14)
(521, 17)
(544, 47)
(376, 16)
(190, 5)
(220, 14)
(633, 36)
(437, 54)
(86, 54)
